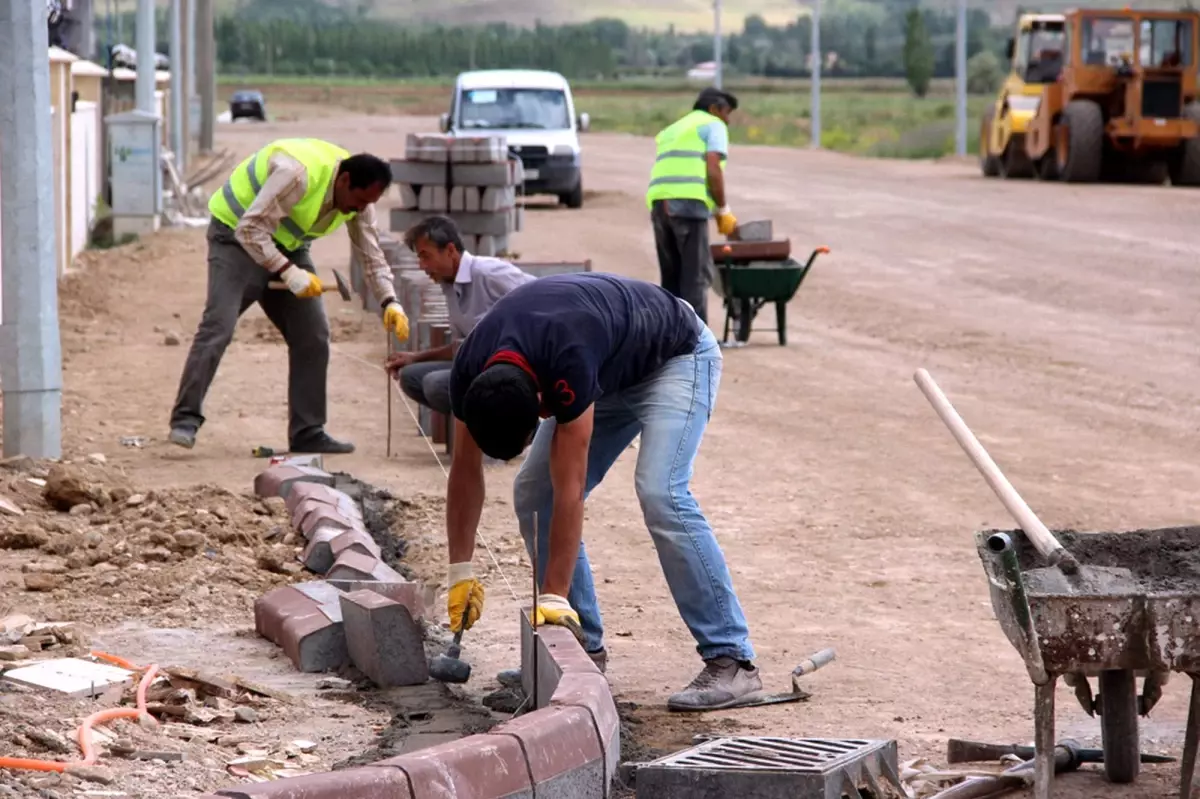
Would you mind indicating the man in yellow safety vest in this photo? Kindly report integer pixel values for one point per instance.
(687, 185)
(272, 206)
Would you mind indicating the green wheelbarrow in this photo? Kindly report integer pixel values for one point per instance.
(746, 288)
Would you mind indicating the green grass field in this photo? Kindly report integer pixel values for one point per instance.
(873, 117)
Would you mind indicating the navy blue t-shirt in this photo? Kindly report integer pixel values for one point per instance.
(582, 336)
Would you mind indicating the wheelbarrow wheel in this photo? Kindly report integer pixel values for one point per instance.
(1119, 725)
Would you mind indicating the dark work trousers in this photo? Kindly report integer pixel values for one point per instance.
(428, 384)
(235, 282)
(684, 259)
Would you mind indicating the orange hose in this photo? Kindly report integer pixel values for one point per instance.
(84, 735)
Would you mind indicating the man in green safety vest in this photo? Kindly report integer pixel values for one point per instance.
(274, 204)
(687, 185)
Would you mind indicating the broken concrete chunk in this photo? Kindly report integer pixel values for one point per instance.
(71, 676)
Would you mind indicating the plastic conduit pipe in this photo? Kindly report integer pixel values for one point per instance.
(84, 734)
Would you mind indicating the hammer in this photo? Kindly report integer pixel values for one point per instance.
(448, 667)
(341, 287)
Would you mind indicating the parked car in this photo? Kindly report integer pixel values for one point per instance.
(248, 103)
(535, 112)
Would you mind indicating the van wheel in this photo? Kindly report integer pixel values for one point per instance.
(573, 199)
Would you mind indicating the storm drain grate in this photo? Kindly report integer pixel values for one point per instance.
(774, 768)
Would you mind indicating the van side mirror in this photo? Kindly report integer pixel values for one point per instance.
(444, 123)
(585, 122)
(1010, 49)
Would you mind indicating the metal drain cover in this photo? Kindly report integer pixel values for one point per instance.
(774, 768)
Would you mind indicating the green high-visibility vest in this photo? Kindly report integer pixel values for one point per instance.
(320, 158)
(680, 171)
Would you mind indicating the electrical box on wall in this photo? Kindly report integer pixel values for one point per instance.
(134, 157)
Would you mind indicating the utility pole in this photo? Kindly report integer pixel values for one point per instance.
(144, 34)
(960, 82)
(30, 347)
(815, 103)
(717, 66)
(206, 72)
(178, 142)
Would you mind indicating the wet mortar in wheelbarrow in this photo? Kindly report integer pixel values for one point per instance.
(1138, 614)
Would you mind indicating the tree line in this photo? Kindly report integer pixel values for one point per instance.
(899, 38)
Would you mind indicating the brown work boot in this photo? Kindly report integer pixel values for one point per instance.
(724, 683)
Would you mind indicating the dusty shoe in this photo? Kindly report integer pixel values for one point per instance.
(511, 678)
(183, 437)
(724, 683)
(321, 443)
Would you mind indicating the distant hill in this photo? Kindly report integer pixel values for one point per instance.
(685, 15)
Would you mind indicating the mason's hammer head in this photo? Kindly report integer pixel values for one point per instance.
(343, 287)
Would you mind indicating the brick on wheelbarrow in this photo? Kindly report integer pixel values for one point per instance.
(405, 592)
(563, 752)
(317, 493)
(277, 481)
(384, 639)
(316, 641)
(365, 782)
(357, 566)
(475, 767)
(740, 252)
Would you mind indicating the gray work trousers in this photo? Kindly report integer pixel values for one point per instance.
(235, 282)
(428, 384)
(684, 259)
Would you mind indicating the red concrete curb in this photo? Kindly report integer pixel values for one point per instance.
(481, 766)
(317, 493)
(313, 516)
(278, 480)
(353, 783)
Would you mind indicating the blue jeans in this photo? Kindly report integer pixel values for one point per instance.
(670, 410)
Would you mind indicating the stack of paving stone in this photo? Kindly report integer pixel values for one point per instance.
(470, 179)
(363, 612)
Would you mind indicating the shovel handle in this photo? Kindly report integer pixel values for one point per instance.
(1041, 537)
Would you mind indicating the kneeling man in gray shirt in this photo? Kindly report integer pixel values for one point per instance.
(471, 285)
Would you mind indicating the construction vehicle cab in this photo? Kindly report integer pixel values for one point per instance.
(1038, 54)
(1125, 101)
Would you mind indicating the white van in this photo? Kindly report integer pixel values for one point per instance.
(534, 111)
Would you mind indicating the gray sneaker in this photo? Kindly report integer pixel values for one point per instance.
(724, 683)
(511, 678)
(182, 437)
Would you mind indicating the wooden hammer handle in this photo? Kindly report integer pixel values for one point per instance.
(1039, 535)
(279, 284)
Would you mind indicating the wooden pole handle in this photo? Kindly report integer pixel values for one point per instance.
(1039, 535)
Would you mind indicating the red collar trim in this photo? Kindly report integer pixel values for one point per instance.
(518, 360)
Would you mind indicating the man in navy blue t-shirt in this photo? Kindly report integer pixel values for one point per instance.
(602, 359)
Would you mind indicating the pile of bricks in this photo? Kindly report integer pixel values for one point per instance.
(471, 179)
(569, 747)
(363, 613)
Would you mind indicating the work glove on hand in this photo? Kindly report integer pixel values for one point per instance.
(301, 282)
(395, 320)
(726, 221)
(554, 609)
(465, 598)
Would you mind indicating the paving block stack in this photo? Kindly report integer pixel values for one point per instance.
(471, 179)
(363, 612)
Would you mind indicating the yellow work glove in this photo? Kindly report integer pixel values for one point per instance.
(395, 320)
(554, 609)
(301, 282)
(465, 598)
(726, 221)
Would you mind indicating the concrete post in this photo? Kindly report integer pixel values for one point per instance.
(718, 66)
(206, 72)
(30, 348)
(960, 74)
(815, 102)
(144, 34)
(178, 142)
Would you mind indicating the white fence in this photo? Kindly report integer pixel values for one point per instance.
(85, 172)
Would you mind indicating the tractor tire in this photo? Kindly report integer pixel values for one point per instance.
(1184, 168)
(988, 164)
(1016, 163)
(1079, 142)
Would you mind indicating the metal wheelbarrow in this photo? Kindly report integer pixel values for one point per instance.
(746, 288)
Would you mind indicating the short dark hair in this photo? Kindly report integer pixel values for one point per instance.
(440, 230)
(713, 96)
(366, 170)
(501, 409)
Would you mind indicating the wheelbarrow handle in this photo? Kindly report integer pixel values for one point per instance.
(822, 250)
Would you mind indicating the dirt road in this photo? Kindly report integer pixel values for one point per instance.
(1060, 320)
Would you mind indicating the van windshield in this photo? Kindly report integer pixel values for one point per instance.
(541, 109)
